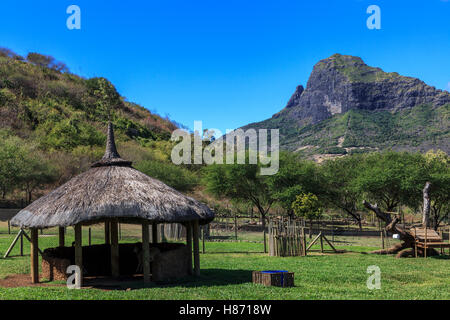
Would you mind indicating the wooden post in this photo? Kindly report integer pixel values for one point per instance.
(425, 247)
(304, 240)
(9, 227)
(146, 250)
(196, 236)
(332, 229)
(264, 234)
(114, 248)
(235, 227)
(61, 236)
(21, 244)
(34, 257)
(89, 236)
(154, 232)
(415, 243)
(107, 233)
(321, 242)
(203, 239)
(189, 245)
(79, 250)
(120, 232)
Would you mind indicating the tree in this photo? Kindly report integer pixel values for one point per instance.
(46, 61)
(5, 52)
(12, 152)
(339, 185)
(307, 205)
(293, 177)
(177, 177)
(22, 167)
(39, 59)
(438, 169)
(408, 245)
(392, 178)
(241, 182)
(107, 97)
(35, 174)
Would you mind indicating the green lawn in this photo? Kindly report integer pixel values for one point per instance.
(226, 274)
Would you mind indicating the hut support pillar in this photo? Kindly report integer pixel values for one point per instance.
(61, 231)
(196, 236)
(79, 250)
(107, 233)
(154, 233)
(114, 249)
(189, 245)
(34, 256)
(146, 250)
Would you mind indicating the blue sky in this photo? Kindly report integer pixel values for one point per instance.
(227, 62)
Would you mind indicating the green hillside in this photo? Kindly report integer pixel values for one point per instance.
(40, 99)
(419, 128)
(53, 125)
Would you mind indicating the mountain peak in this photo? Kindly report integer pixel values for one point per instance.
(355, 69)
(343, 83)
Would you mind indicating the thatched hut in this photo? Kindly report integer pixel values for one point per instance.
(113, 192)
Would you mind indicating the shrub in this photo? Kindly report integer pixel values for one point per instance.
(177, 177)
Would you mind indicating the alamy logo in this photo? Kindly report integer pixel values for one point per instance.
(236, 147)
(74, 280)
(374, 280)
(74, 20)
(374, 21)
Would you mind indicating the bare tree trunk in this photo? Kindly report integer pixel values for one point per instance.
(263, 216)
(29, 196)
(426, 205)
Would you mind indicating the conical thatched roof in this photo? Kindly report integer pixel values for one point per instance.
(112, 188)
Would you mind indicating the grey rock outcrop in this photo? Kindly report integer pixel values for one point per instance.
(341, 83)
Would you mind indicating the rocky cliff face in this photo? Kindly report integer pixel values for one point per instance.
(342, 83)
(348, 104)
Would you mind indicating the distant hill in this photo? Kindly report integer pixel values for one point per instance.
(348, 107)
(40, 100)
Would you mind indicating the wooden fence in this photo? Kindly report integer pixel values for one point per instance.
(287, 238)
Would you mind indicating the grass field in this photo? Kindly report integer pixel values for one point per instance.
(227, 266)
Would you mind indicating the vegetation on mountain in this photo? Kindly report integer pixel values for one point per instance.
(53, 125)
(356, 70)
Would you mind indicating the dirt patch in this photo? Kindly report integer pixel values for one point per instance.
(103, 283)
(23, 280)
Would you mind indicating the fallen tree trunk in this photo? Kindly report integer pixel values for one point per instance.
(404, 249)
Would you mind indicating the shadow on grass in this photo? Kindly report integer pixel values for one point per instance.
(231, 252)
(208, 277)
(441, 257)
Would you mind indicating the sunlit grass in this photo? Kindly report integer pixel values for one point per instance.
(226, 274)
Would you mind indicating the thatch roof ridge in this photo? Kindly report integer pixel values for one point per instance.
(111, 156)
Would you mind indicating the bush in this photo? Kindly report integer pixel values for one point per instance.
(177, 177)
(335, 150)
(68, 134)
